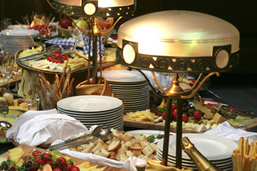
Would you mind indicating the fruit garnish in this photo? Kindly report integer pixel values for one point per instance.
(105, 23)
(185, 117)
(197, 114)
(36, 153)
(65, 22)
(61, 161)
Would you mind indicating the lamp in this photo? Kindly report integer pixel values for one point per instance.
(94, 9)
(178, 42)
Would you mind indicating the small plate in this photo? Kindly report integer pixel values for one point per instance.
(89, 103)
(123, 76)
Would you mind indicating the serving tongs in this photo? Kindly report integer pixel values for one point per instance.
(98, 132)
(32, 57)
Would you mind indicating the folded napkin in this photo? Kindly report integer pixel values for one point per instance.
(129, 164)
(43, 127)
(227, 131)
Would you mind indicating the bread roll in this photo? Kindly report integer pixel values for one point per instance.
(9, 98)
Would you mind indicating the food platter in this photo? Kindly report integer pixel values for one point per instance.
(23, 65)
(10, 117)
(28, 149)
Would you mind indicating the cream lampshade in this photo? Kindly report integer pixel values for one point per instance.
(178, 41)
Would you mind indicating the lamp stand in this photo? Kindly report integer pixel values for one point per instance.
(175, 92)
(95, 34)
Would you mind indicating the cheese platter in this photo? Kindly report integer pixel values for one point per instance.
(34, 59)
(26, 150)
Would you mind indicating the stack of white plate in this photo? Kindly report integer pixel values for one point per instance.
(217, 150)
(131, 87)
(18, 39)
(93, 110)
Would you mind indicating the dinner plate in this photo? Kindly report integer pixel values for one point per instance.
(133, 91)
(85, 114)
(222, 161)
(113, 120)
(148, 132)
(92, 103)
(211, 146)
(92, 116)
(117, 83)
(18, 26)
(136, 105)
(19, 32)
(96, 118)
(135, 101)
(135, 85)
(224, 167)
(123, 76)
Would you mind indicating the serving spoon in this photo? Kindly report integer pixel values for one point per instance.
(5, 124)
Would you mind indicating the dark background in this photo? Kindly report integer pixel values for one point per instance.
(237, 87)
(241, 13)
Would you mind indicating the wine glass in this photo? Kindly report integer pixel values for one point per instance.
(29, 99)
(15, 71)
(7, 65)
(2, 56)
(76, 33)
(3, 73)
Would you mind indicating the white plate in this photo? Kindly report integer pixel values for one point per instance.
(123, 76)
(98, 113)
(19, 32)
(17, 26)
(121, 91)
(118, 83)
(90, 103)
(211, 146)
(104, 116)
(189, 161)
(148, 132)
(224, 167)
(127, 86)
(96, 118)
(102, 121)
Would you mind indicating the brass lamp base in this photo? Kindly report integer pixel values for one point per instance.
(175, 92)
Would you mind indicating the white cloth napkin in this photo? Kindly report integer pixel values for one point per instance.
(129, 164)
(43, 127)
(226, 130)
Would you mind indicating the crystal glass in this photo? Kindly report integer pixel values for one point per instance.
(15, 71)
(7, 66)
(29, 100)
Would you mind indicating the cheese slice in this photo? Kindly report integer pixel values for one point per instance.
(201, 128)
(2, 159)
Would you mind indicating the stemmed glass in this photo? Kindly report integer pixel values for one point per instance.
(2, 57)
(29, 99)
(15, 71)
(3, 73)
(7, 65)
